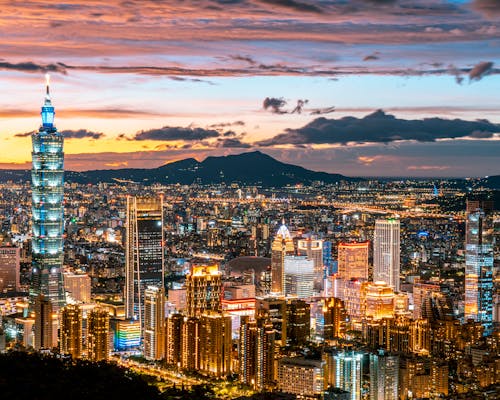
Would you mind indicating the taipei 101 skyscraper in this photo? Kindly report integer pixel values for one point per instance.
(47, 184)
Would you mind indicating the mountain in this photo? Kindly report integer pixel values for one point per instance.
(493, 182)
(253, 168)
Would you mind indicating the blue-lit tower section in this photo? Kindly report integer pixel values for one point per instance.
(47, 184)
(479, 266)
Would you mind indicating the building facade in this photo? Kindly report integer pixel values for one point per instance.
(386, 252)
(47, 184)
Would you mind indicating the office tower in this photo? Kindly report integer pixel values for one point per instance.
(379, 300)
(298, 322)
(384, 376)
(301, 376)
(154, 323)
(190, 344)
(345, 370)
(328, 258)
(78, 286)
(215, 344)
(313, 249)
(282, 246)
(47, 184)
(126, 334)
(173, 339)
(353, 260)
(354, 296)
(256, 353)
(9, 269)
(479, 263)
(203, 289)
(144, 256)
(275, 311)
(44, 325)
(299, 276)
(98, 334)
(386, 249)
(422, 291)
(334, 314)
(70, 330)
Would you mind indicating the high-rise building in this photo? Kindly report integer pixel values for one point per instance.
(154, 323)
(422, 291)
(256, 353)
(282, 246)
(144, 256)
(301, 376)
(70, 330)
(479, 263)
(78, 286)
(384, 376)
(173, 339)
(298, 322)
(203, 289)
(44, 323)
(276, 313)
(379, 300)
(215, 344)
(313, 249)
(98, 334)
(190, 356)
(47, 184)
(335, 316)
(299, 276)
(386, 252)
(345, 371)
(126, 334)
(353, 260)
(9, 269)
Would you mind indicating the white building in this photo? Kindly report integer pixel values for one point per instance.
(386, 252)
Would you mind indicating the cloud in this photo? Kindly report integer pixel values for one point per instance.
(275, 104)
(32, 67)
(320, 111)
(227, 124)
(380, 127)
(488, 7)
(81, 134)
(372, 57)
(232, 143)
(300, 105)
(177, 133)
(71, 134)
(294, 5)
(480, 70)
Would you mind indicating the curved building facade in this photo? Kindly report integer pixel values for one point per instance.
(47, 184)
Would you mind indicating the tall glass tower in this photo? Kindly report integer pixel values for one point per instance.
(479, 264)
(47, 184)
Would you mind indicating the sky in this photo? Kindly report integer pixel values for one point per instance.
(361, 88)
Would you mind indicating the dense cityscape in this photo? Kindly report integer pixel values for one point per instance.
(361, 289)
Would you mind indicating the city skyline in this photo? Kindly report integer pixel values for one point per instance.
(143, 84)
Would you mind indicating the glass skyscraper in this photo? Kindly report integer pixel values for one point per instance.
(144, 257)
(47, 177)
(479, 263)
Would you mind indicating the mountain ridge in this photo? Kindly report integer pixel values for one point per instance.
(250, 168)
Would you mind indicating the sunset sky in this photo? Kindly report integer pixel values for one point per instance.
(362, 88)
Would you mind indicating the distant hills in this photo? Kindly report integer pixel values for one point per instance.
(252, 168)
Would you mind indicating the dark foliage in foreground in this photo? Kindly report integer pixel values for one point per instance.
(38, 377)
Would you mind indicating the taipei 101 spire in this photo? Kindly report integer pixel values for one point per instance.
(47, 184)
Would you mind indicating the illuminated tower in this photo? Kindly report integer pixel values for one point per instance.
(154, 323)
(384, 376)
(203, 290)
(47, 184)
(386, 252)
(44, 323)
(479, 263)
(98, 334)
(313, 249)
(70, 330)
(144, 251)
(256, 353)
(335, 319)
(215, 344)
(353, 260)
(345, 371)
(282, 245)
